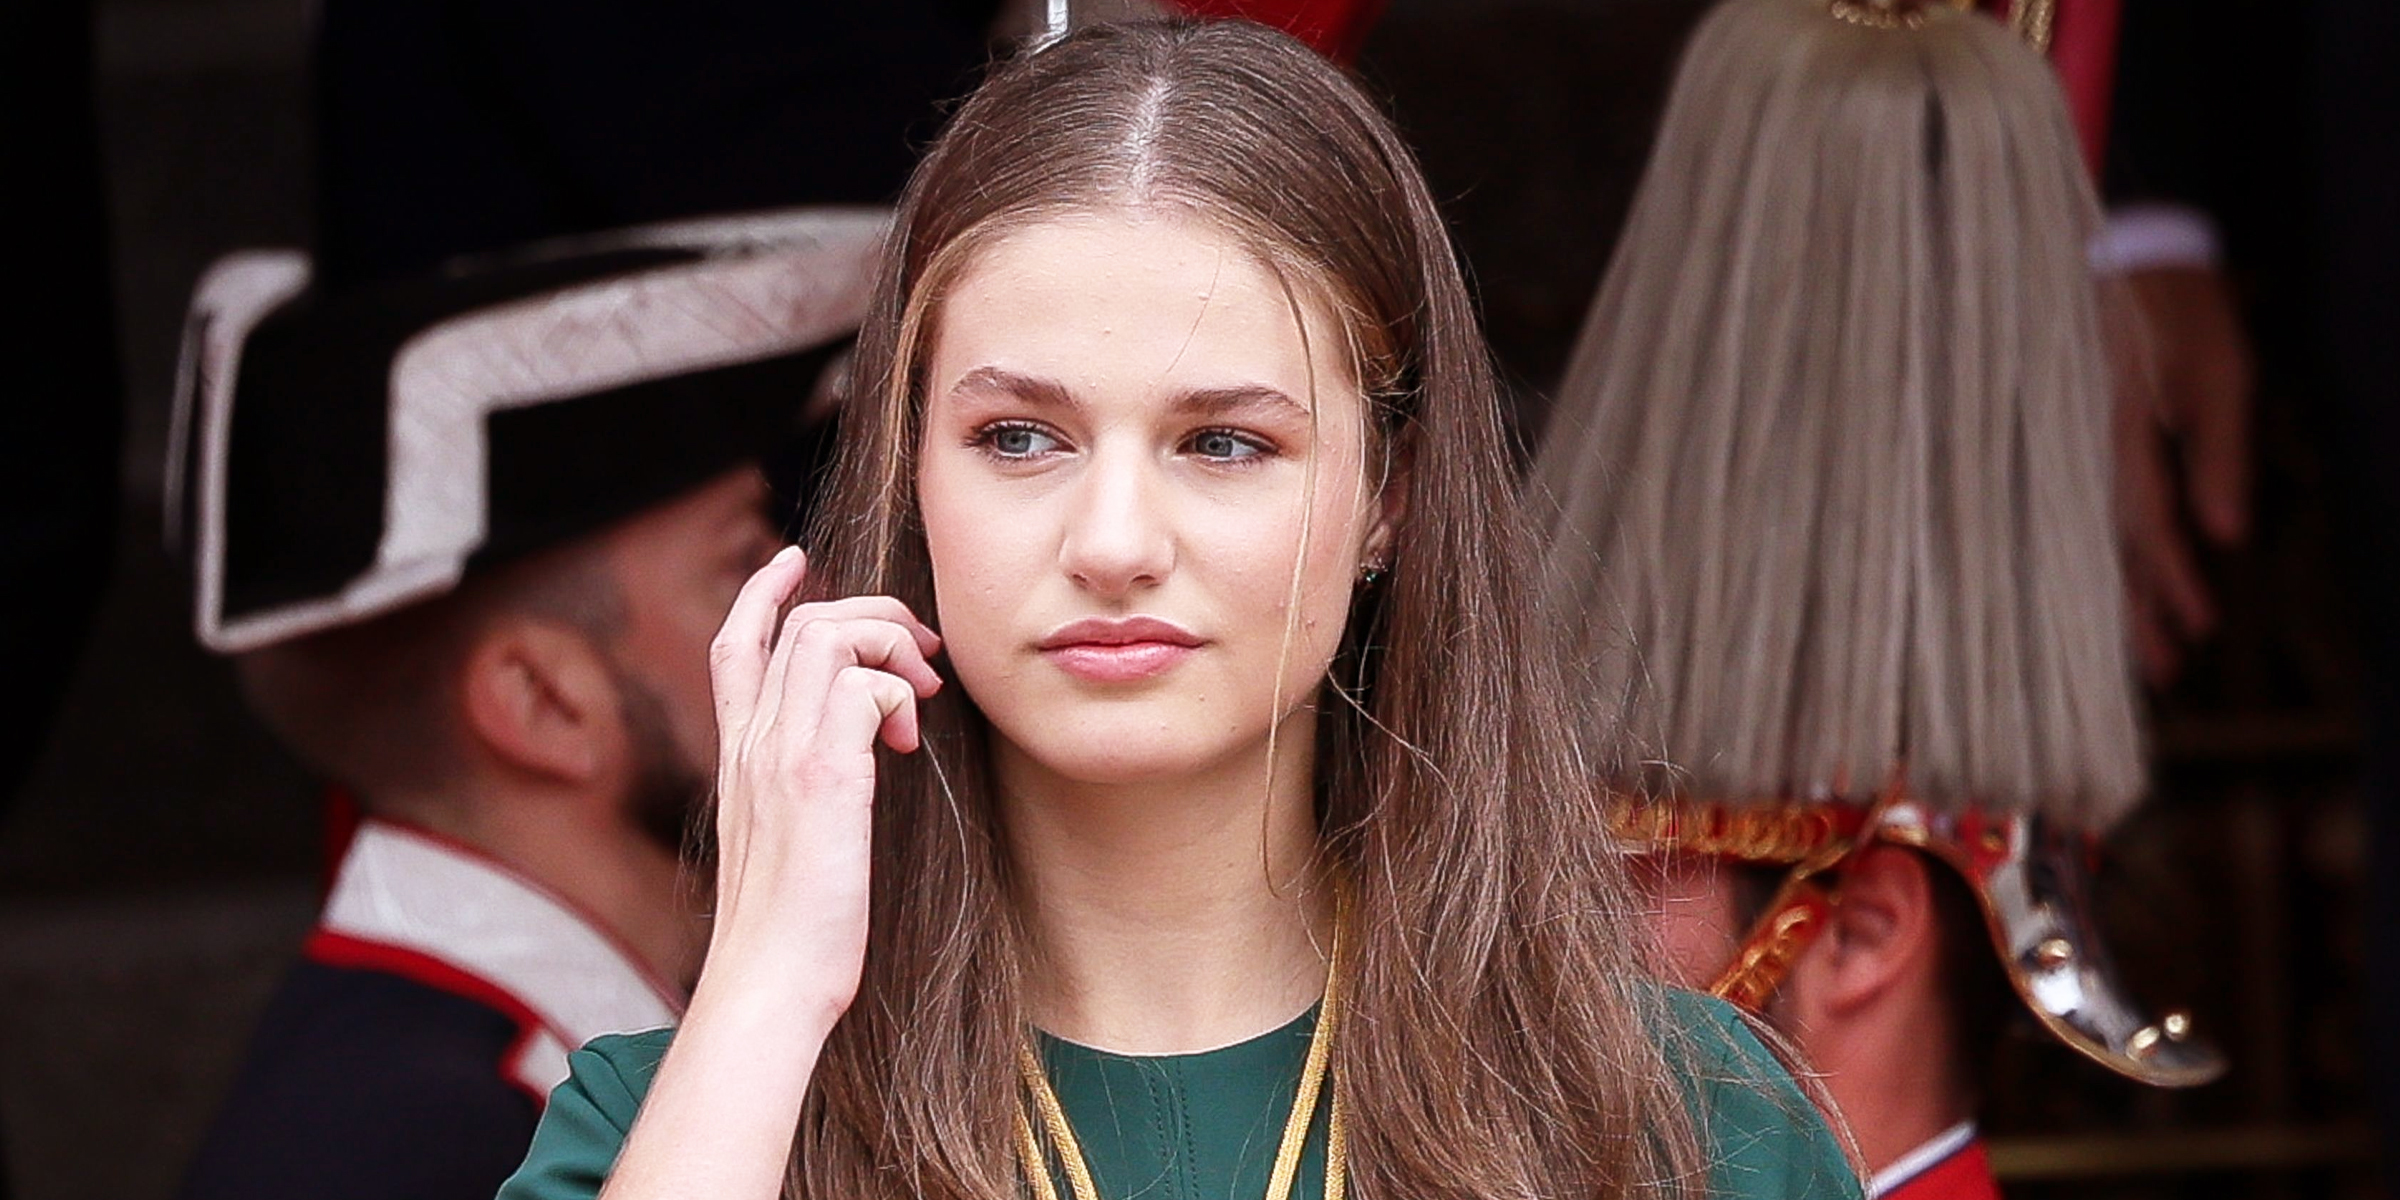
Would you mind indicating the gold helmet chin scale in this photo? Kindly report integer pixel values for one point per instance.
(2030, 875)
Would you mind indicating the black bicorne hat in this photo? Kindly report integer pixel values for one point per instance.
(341, 455)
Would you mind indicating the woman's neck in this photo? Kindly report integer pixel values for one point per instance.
(1171, 916)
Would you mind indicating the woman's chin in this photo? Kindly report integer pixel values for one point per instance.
(1127, 763)
(1122, 748)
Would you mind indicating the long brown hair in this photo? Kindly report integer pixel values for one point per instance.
(1829, 477)
(1499, 1043)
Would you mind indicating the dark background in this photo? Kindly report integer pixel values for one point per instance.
(162, 857)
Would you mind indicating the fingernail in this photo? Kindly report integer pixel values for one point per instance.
(785, 554)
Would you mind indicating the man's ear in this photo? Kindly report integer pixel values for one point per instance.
(537, 696)
(1882, 934)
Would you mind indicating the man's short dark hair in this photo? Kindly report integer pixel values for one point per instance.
(367, 705)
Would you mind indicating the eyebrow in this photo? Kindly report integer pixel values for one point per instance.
(1221, 401)
(1216, 401)
(1046, 392)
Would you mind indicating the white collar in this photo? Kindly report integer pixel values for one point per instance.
(1920, 1160)
(424, 894)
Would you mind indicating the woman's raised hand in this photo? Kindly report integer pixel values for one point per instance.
(801, 702)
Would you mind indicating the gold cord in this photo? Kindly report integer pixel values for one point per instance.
(1030, 1150)
(1286, 1174)
(1337, 1150)
(1312, 1080)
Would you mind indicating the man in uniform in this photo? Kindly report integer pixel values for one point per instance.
(468, 537)
(468, 491)
(1829, 480)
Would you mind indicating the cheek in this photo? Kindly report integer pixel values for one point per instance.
(979, 564)
(1257, 558)
(1339, 515)
(1692, 912)
(1258, 549)
(666, 651)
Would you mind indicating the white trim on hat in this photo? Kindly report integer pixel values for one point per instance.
(769, 284)
(727, 233)
(233, 296)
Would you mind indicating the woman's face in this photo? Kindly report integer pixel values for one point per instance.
(1122, 449)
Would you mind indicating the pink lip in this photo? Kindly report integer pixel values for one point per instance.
(1119, 651)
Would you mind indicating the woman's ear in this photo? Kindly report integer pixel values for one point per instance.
(1391, 503)
(537, 697)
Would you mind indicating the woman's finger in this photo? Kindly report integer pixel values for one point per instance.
(886, 646)
(880, 608)
(815, 651)
(865, 705)
(737, 659)
(811, 650)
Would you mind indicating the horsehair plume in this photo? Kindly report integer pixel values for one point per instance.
(1828, 487)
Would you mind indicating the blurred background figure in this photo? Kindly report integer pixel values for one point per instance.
(469, 490)
(470, 536)
(2245, 886)
(446, 140)
(1829, 487)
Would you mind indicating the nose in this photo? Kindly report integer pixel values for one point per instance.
(1118, 536)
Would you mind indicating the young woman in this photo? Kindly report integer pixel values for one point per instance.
(1239, 851)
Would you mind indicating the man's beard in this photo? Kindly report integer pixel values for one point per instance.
(667, 795)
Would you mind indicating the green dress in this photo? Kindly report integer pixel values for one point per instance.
(1205, 1126)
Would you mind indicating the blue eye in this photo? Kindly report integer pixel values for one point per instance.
(1225, 444)
(1017, 440)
